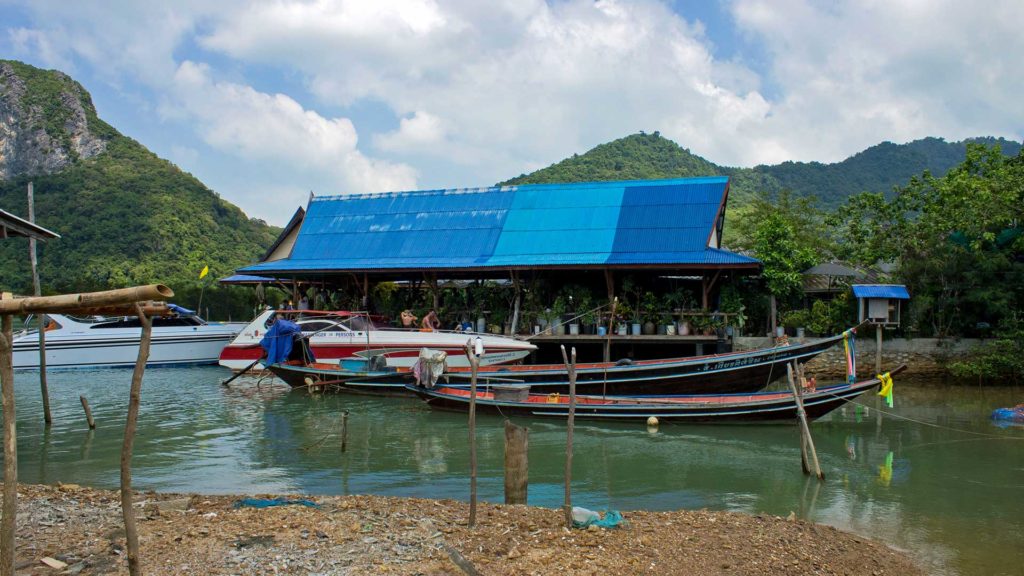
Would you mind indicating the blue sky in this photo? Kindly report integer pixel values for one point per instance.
(267, 101)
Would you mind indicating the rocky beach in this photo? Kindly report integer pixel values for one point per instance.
(68, 529)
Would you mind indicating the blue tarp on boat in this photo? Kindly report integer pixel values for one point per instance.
(277, 342)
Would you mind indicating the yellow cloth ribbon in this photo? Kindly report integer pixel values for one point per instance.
(886, 390)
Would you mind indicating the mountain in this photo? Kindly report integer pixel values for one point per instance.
(877, 169)
(125, 216)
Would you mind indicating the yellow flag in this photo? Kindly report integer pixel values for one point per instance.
(206, 270)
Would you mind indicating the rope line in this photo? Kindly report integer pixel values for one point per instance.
(933, 425)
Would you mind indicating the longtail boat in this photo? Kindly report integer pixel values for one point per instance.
(755, 407)
(732, 372)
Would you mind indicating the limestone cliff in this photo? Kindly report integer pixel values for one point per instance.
(47, 122)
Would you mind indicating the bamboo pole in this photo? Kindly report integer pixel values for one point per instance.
(805, 430)
(88, 413)
(87, 300)
(37, 291)
(131, 535)
(570, 367)
(10, 489)
(474, 363)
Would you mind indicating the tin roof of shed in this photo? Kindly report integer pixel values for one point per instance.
(662, 223)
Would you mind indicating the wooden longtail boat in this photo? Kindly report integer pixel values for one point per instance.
(756, 407)
(742, 371)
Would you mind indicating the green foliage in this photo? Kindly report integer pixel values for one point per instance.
(637, 157)
(127, 217)
(783, 232)
(1000, 361)
(957, 240)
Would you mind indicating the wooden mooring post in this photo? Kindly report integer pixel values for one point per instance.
(570, 366)
(37, 291)
(806, 442)
(88, 413)
(131, 534)
(517, 464)
(10, 490)
(344, 430)
(474, 363)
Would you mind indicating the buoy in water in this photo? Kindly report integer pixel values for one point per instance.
(652, 422)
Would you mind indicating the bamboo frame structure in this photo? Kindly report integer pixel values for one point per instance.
(126, 301)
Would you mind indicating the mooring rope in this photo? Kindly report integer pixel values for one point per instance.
(931, 424)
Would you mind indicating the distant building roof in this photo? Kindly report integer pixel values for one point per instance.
(11, 225)
(648, 223)
(897, 291)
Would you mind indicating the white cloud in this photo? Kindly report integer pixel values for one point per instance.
(420, 132)
(855, 73)
(273, 127)
(478, 91)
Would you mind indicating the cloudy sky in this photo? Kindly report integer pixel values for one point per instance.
(267, 101)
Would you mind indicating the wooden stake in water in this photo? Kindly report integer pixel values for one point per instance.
(805, 430)
(570, 367)
(10, 489)
(37, 290)
(88, 412)
(344, 430)
(517, 465)
(131, 534)
(474, 363)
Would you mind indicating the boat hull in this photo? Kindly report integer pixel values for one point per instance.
(167, 348)
(399, 347)
(735, 372)
(761, 407)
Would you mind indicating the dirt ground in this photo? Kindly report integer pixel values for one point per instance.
(182, 534)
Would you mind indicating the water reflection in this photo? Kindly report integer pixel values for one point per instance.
(932, 485)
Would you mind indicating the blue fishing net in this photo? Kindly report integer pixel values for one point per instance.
(268, 502)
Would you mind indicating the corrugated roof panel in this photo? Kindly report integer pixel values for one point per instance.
(897, 291)
(651, 221)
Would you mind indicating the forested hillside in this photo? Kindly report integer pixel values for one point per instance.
(880, 168)
(125, 216)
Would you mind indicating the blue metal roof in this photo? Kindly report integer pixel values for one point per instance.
(641, 222)
(897, 291)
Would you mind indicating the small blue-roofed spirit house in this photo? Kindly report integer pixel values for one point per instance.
(879, 304)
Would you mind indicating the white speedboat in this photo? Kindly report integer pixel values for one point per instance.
(114, 342)
(334, 336)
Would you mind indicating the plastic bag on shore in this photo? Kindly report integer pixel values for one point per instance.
(582, 518)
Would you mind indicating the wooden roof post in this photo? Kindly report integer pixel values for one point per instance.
(10, 489)
(609, 281)
(515, 305)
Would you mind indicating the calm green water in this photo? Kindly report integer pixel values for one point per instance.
(955, 500)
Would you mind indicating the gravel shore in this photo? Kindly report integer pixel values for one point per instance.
(188, 534)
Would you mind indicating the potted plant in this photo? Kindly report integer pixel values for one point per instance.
(623, 313)
(666, 325)
(649, 305)
(587, 315)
